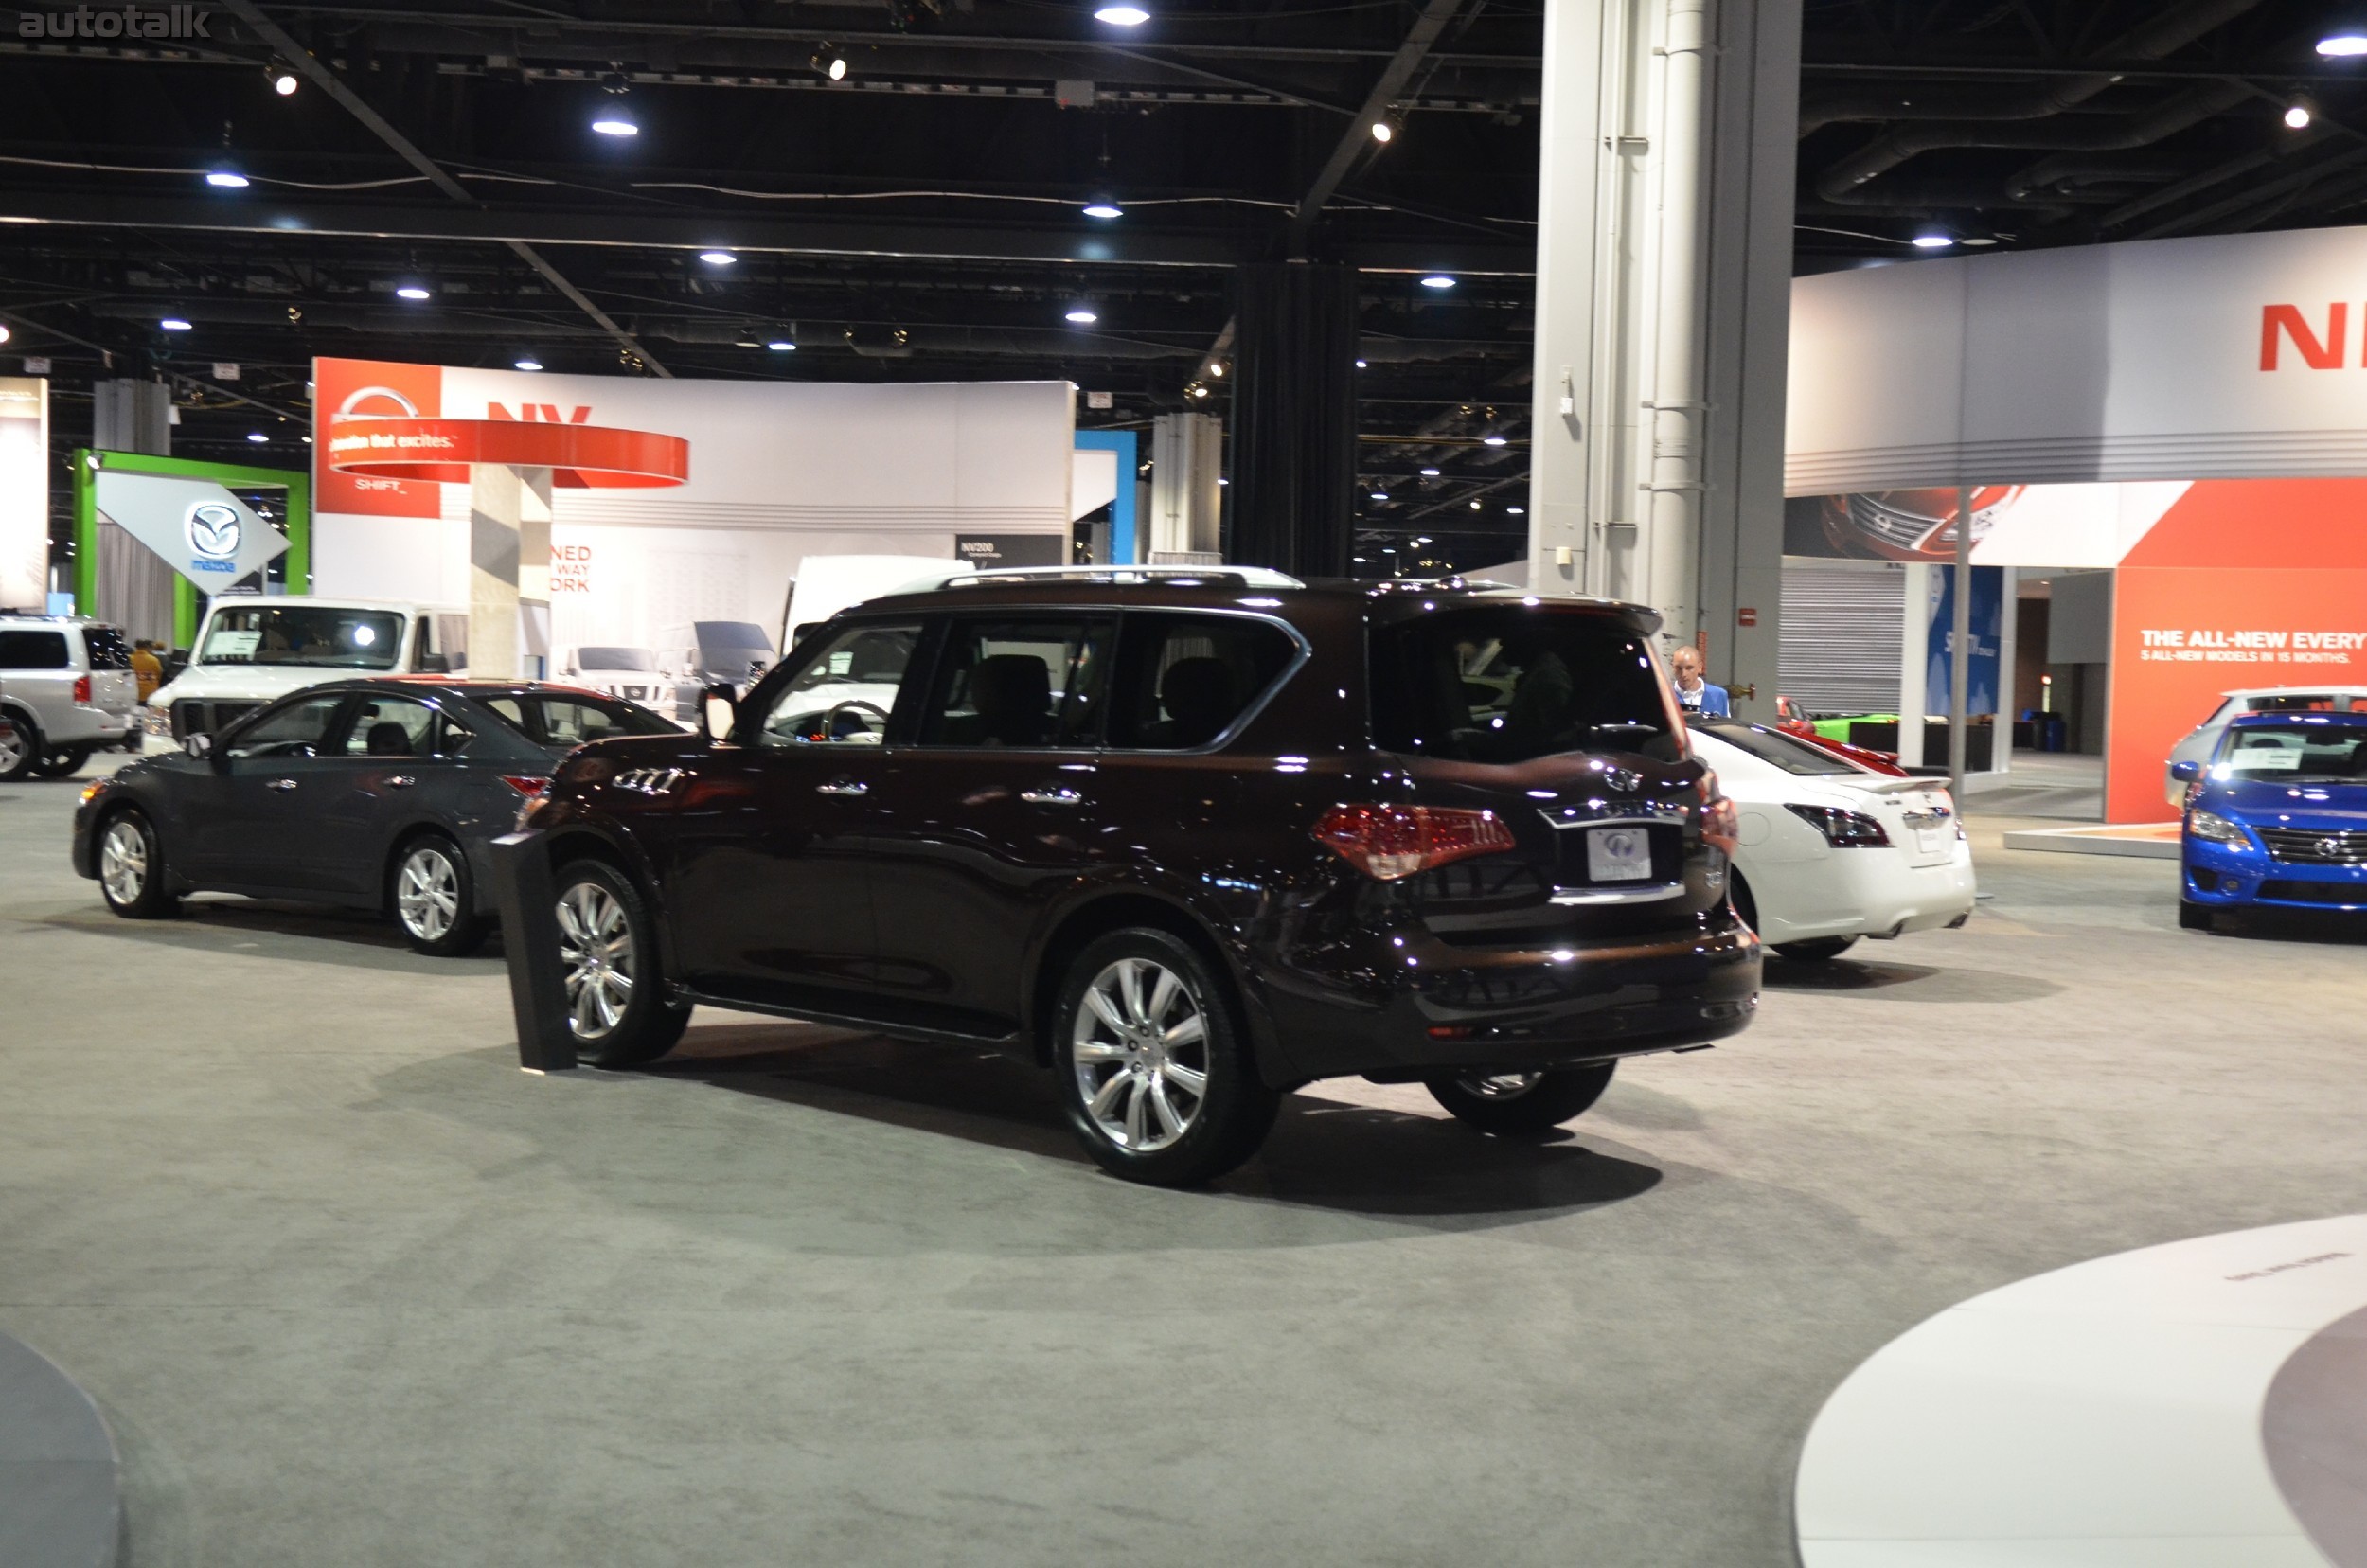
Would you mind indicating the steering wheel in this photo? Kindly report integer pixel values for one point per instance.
(857, 707)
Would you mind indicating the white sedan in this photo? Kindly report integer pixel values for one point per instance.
(1829, 851)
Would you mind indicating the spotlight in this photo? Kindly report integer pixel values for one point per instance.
(1438, 280)
(782, 346)
(1359, 364)
(1215, 369)
(256, 436)
(1491, 440)
(1475, 505)
(528, 364)
(4, 333)
(719, 259)
(1932, 241)
(225, 177)
(1198, 389)
(1380, 495)
(2350, 41)
(615, 122)
(832, 63)
(1430, 473)
(1122, 16)
(1082, 315)
(173, 324)
(414, 290)
(282, 80)
(1516, 511)
(1383, 132)
(2297, 118)
(1104, 210)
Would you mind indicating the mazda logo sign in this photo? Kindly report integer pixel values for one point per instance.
(213, 530)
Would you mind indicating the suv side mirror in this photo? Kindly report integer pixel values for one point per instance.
(2186, 772)
(719, 709)
(199, 745)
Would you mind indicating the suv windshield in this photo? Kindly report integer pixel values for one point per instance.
(1793, 756)
(2296, 754)
(303, 634)
(1506, 683)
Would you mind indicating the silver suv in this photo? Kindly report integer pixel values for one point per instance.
(66, 691)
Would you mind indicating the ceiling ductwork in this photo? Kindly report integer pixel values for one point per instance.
(2078, 169)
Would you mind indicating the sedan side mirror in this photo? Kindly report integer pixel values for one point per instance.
(200, 745)
(719, 709)
(2186, 772)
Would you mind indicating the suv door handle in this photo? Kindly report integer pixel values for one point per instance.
(843, 787)
(1058, 795)
(279, 784)
(401, 781)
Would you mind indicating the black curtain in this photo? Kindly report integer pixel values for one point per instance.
(1293, 466)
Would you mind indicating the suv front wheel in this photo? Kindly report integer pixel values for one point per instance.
(1157, 1081)
(616, 1005)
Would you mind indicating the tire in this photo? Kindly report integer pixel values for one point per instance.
(132, 876)
(1521, 1102)
(614, 1026)
(1739, 894)
(1816, 950)
(2195, 916)
(20, 750)
(1155, 1074)
(60, 761)
(432, 894)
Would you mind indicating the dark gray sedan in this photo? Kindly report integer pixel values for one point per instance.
(371, 794)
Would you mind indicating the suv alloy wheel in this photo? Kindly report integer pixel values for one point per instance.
(20, 749)
(1152, 1069)
(616, 1005)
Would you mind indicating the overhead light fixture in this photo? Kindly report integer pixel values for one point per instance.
(225, 177)
(1516, 511)
(719, 259)
(1977, 239)
(1196, 389)
(782, 346)
(173, 324)
(1380, 495)
(2342, 44)
(1383, 132)
(528, 364)
(414, 290)
(283, 80)
(827, 60)
(1215, 368)
(2297, 118)
(1430, 473)
(1438, 280)
(257, 437)
(1933, 242)
(1104, 210)
(1359, 364)
(1475, 505)
(1491, 439)
(1122, 16)
(615, 122)
(1084, 316)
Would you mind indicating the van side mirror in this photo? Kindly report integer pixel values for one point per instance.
(200, 745)
(719, 709)
(2186, 772)
(435, 664)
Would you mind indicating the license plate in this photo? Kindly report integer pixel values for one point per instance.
(1618, 854)
(1928, 840)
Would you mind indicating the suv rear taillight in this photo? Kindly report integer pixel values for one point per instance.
(81, 689)
(1388, 843)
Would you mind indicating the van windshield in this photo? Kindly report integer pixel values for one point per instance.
(1506, 683)
(303, 634)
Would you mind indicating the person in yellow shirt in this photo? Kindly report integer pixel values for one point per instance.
(148, 668)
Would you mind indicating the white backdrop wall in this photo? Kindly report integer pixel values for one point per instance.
(778, 470)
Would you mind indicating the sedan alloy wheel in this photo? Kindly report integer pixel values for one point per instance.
(123, 861)
(427, 893)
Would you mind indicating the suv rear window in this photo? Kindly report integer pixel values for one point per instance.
(106, 647)
(1184, 679)
(32, 651)
(1506, 683)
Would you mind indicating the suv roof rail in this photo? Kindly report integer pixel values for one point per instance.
(1247, 577)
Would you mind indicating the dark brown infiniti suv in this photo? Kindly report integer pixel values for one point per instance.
(1190, 840)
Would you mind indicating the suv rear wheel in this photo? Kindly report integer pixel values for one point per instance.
(1521, 1102)
(62, 761)
(20, 748)
(1158, 1083)
(616, 1005)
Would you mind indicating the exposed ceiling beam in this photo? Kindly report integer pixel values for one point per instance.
(319, 72)
(1357, 140)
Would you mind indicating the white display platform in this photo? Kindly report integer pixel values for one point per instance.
(2142, 840)
(2126, 1412)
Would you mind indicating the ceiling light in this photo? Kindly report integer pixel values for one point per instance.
(225, 177)
(1104, 210)
(1359, 364)
(173, 324)
(1383, 132)
(2339, 45)
(412, 291)
(1516, 511)
(1215, 369)
(827, 60)
(2297, 118)
(256, 436)
(1380, 495)
(613, 122)
(1422, 539)
(719, 259)
(1475, 505)
(1491, 440)
(283, 82)
(1438, 280)
(1122, 16)
(1979, 239)
(782, 346)
(1430, 473)
(1082, 315)
(1932, 241)
(529, 364)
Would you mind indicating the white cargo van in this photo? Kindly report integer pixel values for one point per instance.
(252, 649)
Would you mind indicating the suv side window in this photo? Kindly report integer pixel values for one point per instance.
(843, 692)
(294, 729)
(1184, 680)
(1036, 683)
(389, 726)
(33, 650)
(106, 647)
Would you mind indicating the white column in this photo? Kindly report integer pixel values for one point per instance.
(509, 566)
(1187, 459)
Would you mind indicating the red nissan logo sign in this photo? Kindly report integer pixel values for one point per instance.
(578, 457)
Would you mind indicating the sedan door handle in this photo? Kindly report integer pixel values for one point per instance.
(401, 781)
(843, 787)
(279, 784)
(1056, 797)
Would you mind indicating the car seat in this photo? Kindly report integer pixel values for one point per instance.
(387, 739)
(1011, 694)
(1201, 700)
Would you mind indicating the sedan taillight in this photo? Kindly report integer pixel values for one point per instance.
(1843, 829)
(1388, 843)
(81, 689)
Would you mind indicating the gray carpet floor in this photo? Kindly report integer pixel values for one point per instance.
(352, 1289)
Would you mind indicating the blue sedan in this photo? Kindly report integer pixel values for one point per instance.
(2277, 819)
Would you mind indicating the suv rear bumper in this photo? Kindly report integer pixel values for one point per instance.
(1426, 1006)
